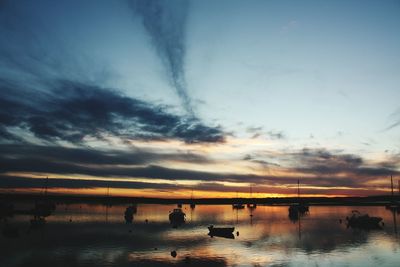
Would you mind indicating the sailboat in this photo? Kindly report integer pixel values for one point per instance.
(44, 207)
(251, 205)
(394, 205)
(237, 206)
(298, 208)
(192, 204)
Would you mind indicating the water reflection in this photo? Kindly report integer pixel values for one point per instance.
(84, 234)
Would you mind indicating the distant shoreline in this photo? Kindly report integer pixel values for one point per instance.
(314, 201)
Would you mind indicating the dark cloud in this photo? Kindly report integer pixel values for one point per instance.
(321, 167)
(165, 22)
(85, 155)
(24, 182)
(129, 165)
(49, 88)
(324, 161)
(263, 163)
(71, 111)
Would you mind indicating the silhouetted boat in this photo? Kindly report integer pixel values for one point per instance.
(298, 208)
(393, 205)
(238, 206)
(177, 216)
(356, 220)
(44, 207)
(226, 232)
(251, 205)
(192, 204)
(129, 213)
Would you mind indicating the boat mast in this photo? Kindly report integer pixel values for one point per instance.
(298, 189)
(391, 180)
(46, 184)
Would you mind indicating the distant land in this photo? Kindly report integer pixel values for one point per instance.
(348, 201)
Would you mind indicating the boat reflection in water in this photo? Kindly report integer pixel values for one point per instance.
(366, 222)
(177, 217)
(272, 239)
(225, 232)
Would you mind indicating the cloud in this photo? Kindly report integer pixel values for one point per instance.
(50, 90)
(258, 131)
(24, 182)
(317, 167)
(87, 155)
(165, 22)
(395, 120)
(322, 167)
(322, 161)
(71, 111)
(276, 135)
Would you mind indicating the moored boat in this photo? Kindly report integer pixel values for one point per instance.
(129, 213)
(356, 220)
(298, 208)
(226, 232)
(237, 206)
(177, 216)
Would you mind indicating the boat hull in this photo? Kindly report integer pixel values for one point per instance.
(226, 232)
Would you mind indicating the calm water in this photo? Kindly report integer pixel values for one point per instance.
(94, 235)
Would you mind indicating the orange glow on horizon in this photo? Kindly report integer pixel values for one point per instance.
(180, 194)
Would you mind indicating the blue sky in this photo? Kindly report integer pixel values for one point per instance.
(262, 80)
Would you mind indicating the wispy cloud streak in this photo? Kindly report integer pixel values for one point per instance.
(165, 22)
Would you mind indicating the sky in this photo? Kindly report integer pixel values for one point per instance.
(179, 98)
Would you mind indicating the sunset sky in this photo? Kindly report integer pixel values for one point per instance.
(162, 98)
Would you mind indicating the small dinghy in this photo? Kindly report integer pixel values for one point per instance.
(226, 232)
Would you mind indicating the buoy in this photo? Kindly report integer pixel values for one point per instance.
(173, 253)
(237, 233)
